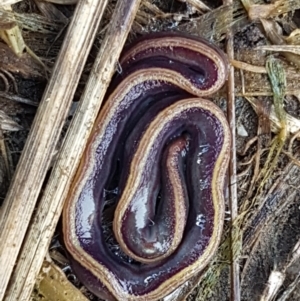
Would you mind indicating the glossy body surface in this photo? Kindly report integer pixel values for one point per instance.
(145, 211)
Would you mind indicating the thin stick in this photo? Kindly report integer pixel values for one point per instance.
(266, 93)
(41, 142)
(9, 2)
(277, 277)
(16, 98)
(235, 269)
(199, 5)
(49, 211)
(4, 154)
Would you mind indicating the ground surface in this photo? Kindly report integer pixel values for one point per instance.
(272, 228)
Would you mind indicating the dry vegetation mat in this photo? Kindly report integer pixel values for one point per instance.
(57, 58)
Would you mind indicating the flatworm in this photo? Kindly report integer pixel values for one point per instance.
(157, 156)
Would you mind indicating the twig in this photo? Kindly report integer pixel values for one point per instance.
(285, 296)
(293, 258)
(199, 5)
(49, 211)
(292, 123)
(8, 124)
(275, 281)
(235, 268)
(295, 136)
(16, 98)
(248, 67)
(281, 48)
(3, 153)
(8, 2)
(266, 93)
(5, 81)
(8, 74)
(247, 146)
(41, 142)
(277, 278)
(13, 36)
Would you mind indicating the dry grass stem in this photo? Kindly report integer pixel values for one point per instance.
(277, 277)
(33, 165)
(62, 2)
(7, 123)
(51, 12)
(233, 203)
(286, 295)
(275, 281)
(13, 36)
(5, 156)
(199, 5)
(31, 22)
(9, 2)
(260, 93)
(294, 257)
(264, 11)
(281, 48)
(248, 67)
(16, 98)
(274, 34)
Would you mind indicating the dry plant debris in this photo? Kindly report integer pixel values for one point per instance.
(12, 36)
(51, 277)
(266, 61)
